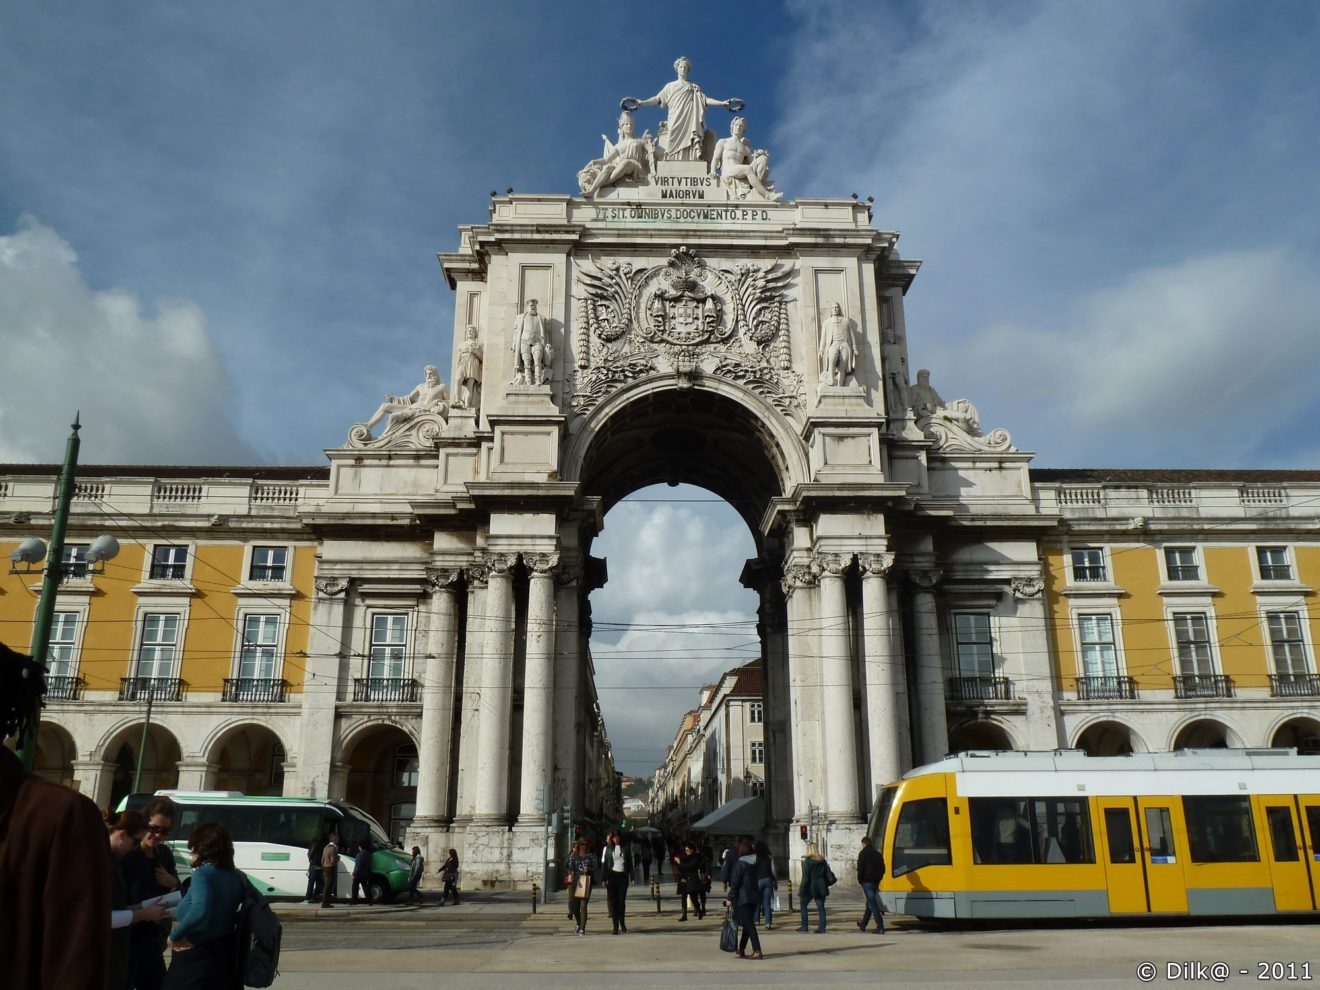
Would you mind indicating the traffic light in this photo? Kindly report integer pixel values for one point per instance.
(577, 832)
(802, 830)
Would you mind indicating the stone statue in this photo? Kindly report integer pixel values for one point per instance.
(532, 354)
(927, 404)
(631, 158)
(741, 169)
(838, 351)
(431, 396)
(683, 135)
(469, 370)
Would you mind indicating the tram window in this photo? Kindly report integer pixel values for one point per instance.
(1313, 824)
(1118, 829)
(880, 817)
(1220, 830)
(921, 837)
(1283, 839)
(1030, 830)
(1159, 832)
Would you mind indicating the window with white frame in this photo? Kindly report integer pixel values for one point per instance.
(1287, 644)
(259, 657)
(756, 712)
(1088, 564)
(1181, 564)
(1274, 563)
(159, 646)
(974, 644)
(758, 752)
(1099, 650)
(61, 659)
(73, 561)
(389, 637)
(169, 563)
(269, 564)
(1191, 633)
(758, 788)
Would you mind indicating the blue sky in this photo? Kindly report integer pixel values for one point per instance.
(218, 223)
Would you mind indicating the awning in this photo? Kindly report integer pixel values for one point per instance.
(741, 816)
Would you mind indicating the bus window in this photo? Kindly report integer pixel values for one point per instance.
(1220, 830)
(921, 837)
(1118, 829)
(1031, 830)
(1283, 840)
(1159, 832)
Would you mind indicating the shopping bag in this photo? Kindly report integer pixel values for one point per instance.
(583, 889)
(729, 933)
(775, 904)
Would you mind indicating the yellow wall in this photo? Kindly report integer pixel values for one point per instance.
(1242, 654)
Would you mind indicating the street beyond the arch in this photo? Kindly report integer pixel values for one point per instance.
(493, 940)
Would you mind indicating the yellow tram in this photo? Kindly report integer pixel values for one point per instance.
(1057, 835)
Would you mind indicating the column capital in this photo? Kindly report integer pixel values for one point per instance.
(443, 578)
(876, 565)
(925, 578)
(831, 564)
(799, 576)
(541, 564)
(1026, 587)
(331, 587)
(498, 564)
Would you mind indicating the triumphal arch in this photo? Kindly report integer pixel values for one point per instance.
(680, 319)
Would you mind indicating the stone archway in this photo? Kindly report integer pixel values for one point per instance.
(1301, 733)
(381, 763)
(979, 734)
(159, 762)
(248, 758)
(1106, 738)
(1204, 733)
(55, 754)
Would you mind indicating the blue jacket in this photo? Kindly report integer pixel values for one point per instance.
(210, 908)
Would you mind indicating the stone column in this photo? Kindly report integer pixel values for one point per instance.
(95, 779)
(538, 688)
(933, 728)
(320, 689)
(836, 692)
(568, 662)
(196, 775)
(437, 702)
(496, 694)
(799, 586)
(469, 711)
(880, 670)
(1035, 676)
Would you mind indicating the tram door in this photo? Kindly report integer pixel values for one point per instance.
(1310, 811)
(1124, 871)
(1162, 833)
(1290, 868)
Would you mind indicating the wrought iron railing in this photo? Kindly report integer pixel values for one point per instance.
(403, 689)
(260, 690)
(1106, 687)
(64, 688)
(150, 689)
(1202, 686)
(1294, 685)
(980, 689)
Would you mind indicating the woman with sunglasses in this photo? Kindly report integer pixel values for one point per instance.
(149, 871)
(126, 832)
(204, 938)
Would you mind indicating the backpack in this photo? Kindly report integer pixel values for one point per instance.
(259, 934)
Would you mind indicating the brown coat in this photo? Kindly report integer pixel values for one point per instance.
(54, 885)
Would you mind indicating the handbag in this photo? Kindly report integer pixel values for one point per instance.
(830, 878)
(729, 933)
(582, 891)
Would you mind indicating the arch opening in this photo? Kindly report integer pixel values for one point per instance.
(1106, 739)
(55, 754)
(1205, 733)
(1301, 733)
(979, 734)
(248, 758)
(382, 768)
(159, 762)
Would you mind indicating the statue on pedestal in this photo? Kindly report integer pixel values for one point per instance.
(927, 404)
(431, 396)
(741, 169)
(631, 158)
(838, 351)
(683, 135)
(532, 353)
(469, 370)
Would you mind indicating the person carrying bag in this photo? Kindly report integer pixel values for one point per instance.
(581, 872)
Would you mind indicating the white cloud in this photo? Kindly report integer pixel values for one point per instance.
(149, 384)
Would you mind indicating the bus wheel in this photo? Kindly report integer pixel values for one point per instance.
(379, 889)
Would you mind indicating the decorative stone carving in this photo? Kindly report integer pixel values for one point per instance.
(470, 355)
(683, 135)
(443, 578)
(877, 564)
(498, 563)
(331, 587)
(416, 419)
(1026, 587)
(799, 576)
(743, 171)
(838, 349)
(925, 578)
(532, 353)
(541, 563)
(833, 564)
(955, 426)
(631, 159)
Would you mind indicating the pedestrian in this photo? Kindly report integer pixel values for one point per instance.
(645, 843)
(149, 871)
(616, 861)
(126, 832)
(766, 882)
(744, 895)
(689, 881)
(706, 857)
(815, 885)
(314, 874)
(204, 940)
(362, 873)
(581, 870)
(329, 870)
(415, 875)
(449, 876)
(870, 871)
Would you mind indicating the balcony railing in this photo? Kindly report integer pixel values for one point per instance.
(385, 689)
(1203, 686)
(150, 689)
(261, 690)
(64, 688)
(1106, 688)
(1294, 685)
(980, 689)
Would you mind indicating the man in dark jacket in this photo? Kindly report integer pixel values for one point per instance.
(870, 871)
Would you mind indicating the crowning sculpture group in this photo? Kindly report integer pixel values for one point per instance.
(668, 316)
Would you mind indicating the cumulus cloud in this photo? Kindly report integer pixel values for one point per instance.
(148, 381)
